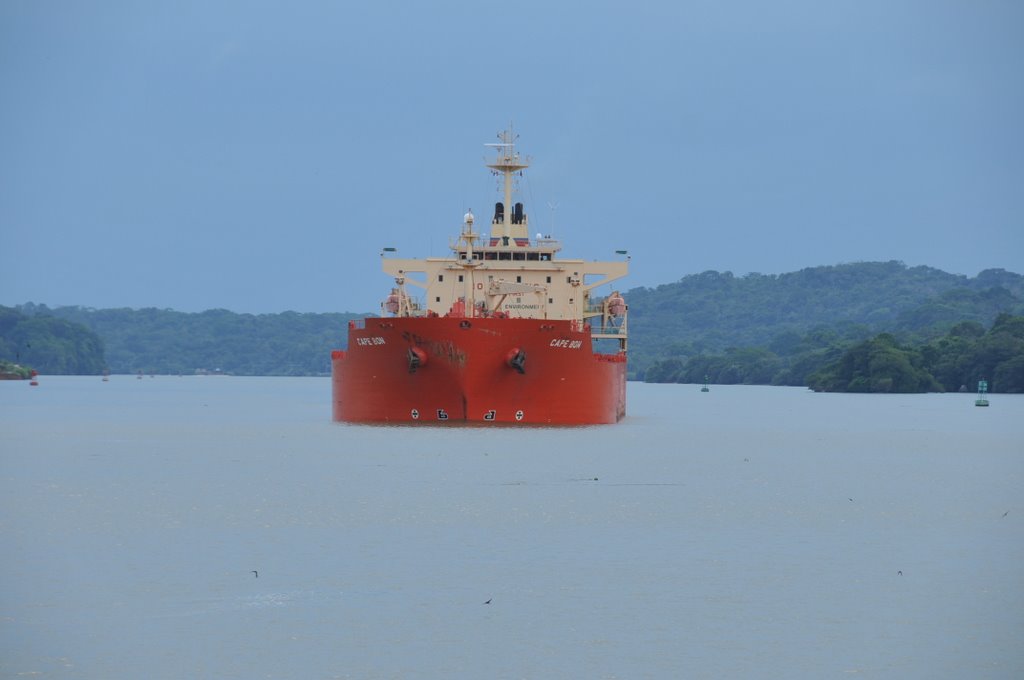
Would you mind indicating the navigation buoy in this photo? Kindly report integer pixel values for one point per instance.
(982, 389)
(33, 382)
(705, 388)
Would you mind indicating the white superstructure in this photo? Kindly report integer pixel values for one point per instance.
(509, 274)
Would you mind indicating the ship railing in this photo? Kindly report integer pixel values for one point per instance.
(614, 326)
(357, 324)
(598, 310)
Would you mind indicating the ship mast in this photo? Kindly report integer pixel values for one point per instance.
(469, 236)
(507, 163)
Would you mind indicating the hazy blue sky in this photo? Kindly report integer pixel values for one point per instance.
(256, 156)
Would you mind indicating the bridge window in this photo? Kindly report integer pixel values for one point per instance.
(460, 278)
(440, 277)
(519, 279)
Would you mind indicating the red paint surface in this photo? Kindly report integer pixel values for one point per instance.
(467, 376)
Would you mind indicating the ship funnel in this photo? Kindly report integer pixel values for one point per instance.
(517, 213)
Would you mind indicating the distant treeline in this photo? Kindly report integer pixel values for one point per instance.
(956, 361)
(164, 341)
(48, 344)
(763, 329)
(710, 313)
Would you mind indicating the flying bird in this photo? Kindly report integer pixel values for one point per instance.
(256, 573)
(488, 601)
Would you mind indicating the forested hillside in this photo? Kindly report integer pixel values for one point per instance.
(168, 342)
(48, 344)
(711, 312)
(755, 328)
(827, 362)
(957, 361)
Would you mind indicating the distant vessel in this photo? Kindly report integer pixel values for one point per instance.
(506, 331)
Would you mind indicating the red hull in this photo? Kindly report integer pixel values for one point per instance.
(451, 370)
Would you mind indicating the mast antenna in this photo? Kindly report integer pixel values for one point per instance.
(506, 165)
(553, 206)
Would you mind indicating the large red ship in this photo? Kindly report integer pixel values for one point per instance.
(503, 331)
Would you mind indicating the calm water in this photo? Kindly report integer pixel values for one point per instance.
(747, 533)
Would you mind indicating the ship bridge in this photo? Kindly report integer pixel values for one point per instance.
(508, 274)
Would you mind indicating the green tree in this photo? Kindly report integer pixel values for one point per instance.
(49, 345)
(169, 342)
(876, 365)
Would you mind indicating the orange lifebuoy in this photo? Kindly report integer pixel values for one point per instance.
(479, 286)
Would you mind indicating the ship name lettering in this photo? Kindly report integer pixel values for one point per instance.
(566, 344)
(375, 340)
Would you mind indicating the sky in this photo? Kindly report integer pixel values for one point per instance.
(256, 156)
